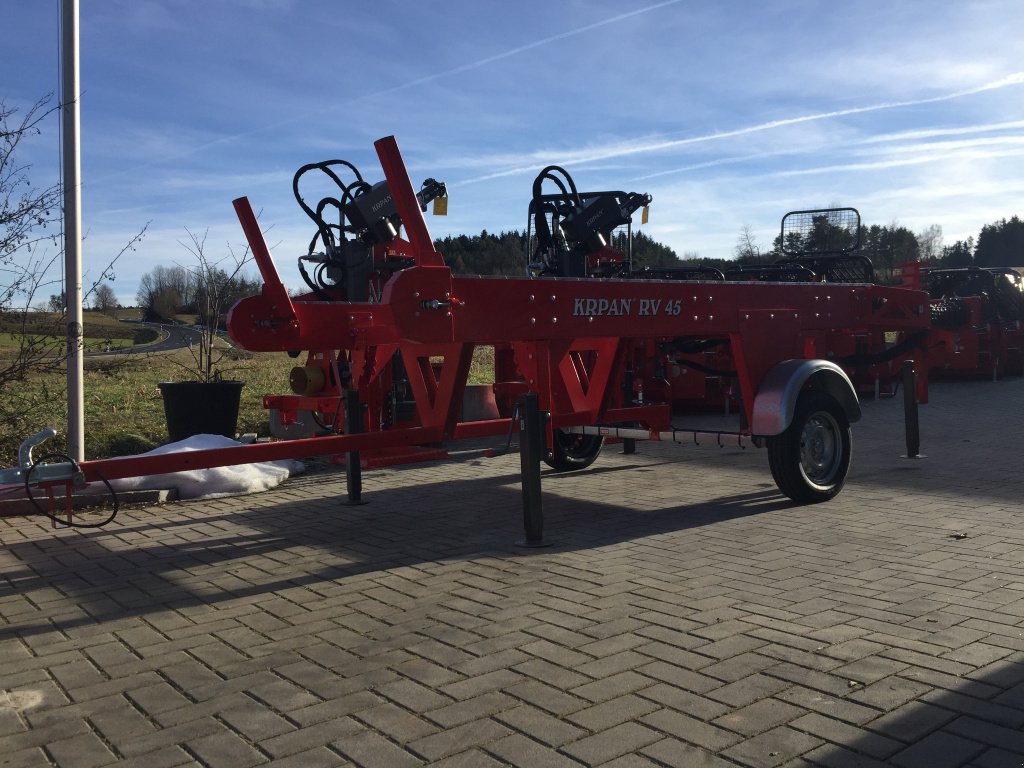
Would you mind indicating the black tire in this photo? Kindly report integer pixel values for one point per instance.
(570, 452)
(809, 461)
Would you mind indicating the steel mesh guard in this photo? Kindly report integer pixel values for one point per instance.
(821, 231)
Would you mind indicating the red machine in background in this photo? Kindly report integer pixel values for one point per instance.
(977, 313)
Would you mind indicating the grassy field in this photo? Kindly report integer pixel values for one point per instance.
(123, 405)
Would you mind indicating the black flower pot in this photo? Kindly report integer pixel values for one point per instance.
(201, 408)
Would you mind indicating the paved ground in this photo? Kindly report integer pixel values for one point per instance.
(686, 616)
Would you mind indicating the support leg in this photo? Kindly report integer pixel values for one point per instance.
(910, 421)
(353, 467)
(628, 443)
(531, 445)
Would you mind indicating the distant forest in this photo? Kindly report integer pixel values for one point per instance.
(1000, 244)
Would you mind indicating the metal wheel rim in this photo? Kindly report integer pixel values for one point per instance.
(573, 445)
(820, 449)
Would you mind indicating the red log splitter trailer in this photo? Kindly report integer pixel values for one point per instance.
(579, 347)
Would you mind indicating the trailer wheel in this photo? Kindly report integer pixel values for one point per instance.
(809, 461)
(570, 452)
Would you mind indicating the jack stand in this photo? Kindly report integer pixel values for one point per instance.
(910, 421)
(353, 469)
(530, 446)
(628, 443)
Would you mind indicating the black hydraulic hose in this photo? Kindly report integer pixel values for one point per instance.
(706, 369)
(547, 174)
(544, 234)
(313, 286)
(324, 229)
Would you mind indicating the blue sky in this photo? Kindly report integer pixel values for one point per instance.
(729, 113)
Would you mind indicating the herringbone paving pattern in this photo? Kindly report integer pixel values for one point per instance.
(686, 615)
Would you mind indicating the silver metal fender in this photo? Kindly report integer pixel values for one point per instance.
(775, 401)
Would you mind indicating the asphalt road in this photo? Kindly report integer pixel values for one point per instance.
(171, 337)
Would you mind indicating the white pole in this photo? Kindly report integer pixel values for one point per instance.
(72, 229)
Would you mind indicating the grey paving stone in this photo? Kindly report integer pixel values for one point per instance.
(772, 747)
(374, 751)
(82, 751)
(309, 737)
(938, 750)
(345, 635)
(872, 744)
(225, 749)
(396, 723)
(540, 726)
(679, 754)
(519, 751)
(452, 741)
(759, 716)
(612, 743)
(686, 728)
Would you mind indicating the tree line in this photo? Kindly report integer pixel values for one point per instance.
(506, 253)
(168, 291)
(999, 244)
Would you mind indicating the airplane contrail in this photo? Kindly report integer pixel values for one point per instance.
(889, 138)
(523, 48)
(620, 150)
(428, 78)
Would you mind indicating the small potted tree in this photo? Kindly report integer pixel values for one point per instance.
(207, 402)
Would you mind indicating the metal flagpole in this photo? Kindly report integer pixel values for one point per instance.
(72, 228)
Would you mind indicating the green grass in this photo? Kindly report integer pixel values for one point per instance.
(124, 408)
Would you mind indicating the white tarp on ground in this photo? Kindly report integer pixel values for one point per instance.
(215, 481)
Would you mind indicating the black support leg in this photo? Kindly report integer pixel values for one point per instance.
(531, 444)
(628, 443)
(913, 432)
(353, 467)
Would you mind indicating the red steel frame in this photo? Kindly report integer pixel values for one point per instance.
(572, 340)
